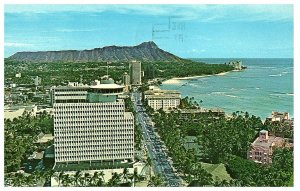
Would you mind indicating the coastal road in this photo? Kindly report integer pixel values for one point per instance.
(157, 150)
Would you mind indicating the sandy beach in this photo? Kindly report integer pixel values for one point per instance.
(177, 80)
(172, 81)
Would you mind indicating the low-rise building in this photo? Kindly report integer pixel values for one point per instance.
(11, 112)
(277, 116)
(187, 113)
(262, 148)
(44, 138)
(165, 99)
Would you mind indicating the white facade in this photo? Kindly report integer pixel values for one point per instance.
(165, 99)
(64, 94)
(91, 131)
(163, 102)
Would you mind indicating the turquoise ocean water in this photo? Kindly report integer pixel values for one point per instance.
(265, 86)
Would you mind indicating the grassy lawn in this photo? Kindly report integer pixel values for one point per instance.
(217, 170)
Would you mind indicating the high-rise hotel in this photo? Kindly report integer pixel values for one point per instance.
(90, 123)
(135, 70)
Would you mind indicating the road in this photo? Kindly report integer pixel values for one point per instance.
(157, 150)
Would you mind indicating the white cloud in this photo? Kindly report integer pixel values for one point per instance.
(16, 44)
(203, 13)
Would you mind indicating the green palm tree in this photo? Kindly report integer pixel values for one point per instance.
(77, 177)
(101, 174)
(94, 178)
(81, 181)
(18, 180)
(135, 177)
(49, 174)
(30, 180)
(67, 180)
(125, 174)
(115, 180)
(59, 177)
(147, 166)
(87, 177)
(100, 182)
(156, 181)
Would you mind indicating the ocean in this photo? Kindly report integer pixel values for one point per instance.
(265, 86)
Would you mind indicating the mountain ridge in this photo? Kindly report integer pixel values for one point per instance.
(146, 51)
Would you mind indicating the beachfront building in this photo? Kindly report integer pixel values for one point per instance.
(185, 114)
(262, 148)
(135, 71)
(162, 99)
(279, 117)
(91, 125)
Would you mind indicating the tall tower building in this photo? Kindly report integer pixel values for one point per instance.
(135, 73)
(126, 79)
(126, 82)
(90, 123)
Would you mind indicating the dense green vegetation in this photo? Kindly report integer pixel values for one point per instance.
(188, 103)
(221, 137)
(250, 173)
(221, 140)
(56, 73)
(280, 129)
(59, 73)
(19, 137)
(186, 68)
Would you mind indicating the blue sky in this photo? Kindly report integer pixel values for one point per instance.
(207, 31)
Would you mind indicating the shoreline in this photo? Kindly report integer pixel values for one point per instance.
(177, 80)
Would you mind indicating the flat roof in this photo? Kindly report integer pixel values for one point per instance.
(106, 86)
(162, 91)
(200, 110)
(45, 138)
(264, 144)
(37, 155)
(128, 115)
(163, 97)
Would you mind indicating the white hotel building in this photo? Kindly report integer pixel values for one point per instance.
(90, 123)
(165, 99)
